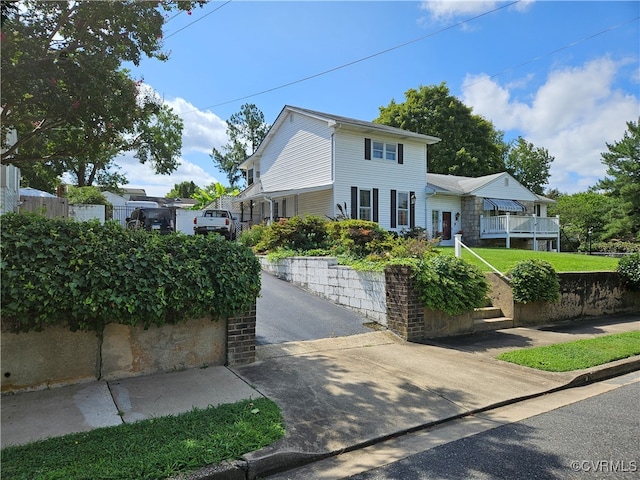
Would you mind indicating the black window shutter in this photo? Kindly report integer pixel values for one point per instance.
(400, 153)
(367, 149)
(375, 204)
(354, 203)
(393, 209)
(412, 210)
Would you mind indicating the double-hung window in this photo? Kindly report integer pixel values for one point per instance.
(377, 150)
(403, 209)
(250, 176)
(364, 211)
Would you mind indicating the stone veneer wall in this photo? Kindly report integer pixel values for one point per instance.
(362, 292)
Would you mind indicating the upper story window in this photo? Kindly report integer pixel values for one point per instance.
(375, 149)
(250, 176)
(384, 151)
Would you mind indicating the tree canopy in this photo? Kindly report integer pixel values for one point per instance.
(529, 165)
(66, 96)
(623, 180)
(246, 130)
(183, 190)
(470, 145)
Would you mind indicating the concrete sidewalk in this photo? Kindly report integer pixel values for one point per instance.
(336, 394)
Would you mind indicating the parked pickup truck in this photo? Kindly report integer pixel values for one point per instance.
(215, 221)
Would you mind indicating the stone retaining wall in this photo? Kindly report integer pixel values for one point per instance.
(57, 356)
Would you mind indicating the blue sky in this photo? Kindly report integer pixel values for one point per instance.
(564, 75)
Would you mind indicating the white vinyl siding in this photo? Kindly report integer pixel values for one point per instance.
(299, 156)
(351, 169)
(314, 203)
(497, 189)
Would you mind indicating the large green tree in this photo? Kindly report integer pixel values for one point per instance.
(66, 95)
(529, 164)
(469, 146)
(623, 181)
(584, 216)
(246, 129)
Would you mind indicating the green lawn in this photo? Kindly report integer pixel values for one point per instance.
(504, 258)
(155, 448)
(565, 357)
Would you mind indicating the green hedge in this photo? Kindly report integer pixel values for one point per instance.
(450, 284)
(85, 275)
(534, 280)
(629, 268)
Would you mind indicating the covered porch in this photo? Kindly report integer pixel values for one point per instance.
(511, 226)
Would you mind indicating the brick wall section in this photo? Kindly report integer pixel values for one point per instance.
(405, 312)
(241, 338)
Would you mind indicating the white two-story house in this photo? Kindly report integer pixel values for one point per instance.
(310, 163)
(314, 163)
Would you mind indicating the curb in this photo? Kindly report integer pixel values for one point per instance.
(255, 465)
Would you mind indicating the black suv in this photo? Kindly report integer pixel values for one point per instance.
(153, 219)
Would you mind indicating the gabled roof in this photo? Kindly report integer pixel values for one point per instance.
(456, 185)
(339, 121)
(459, 185)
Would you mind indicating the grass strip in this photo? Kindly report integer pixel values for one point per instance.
(565, 357)
(150, 449)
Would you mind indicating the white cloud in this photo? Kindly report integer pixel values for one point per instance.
(142, 176)
(573, 115)
(202, 130)
(443, 11)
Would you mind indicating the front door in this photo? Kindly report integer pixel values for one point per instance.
(446, 225)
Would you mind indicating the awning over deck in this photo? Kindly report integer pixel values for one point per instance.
(503, 205)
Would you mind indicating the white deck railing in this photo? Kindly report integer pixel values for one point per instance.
(519, 224)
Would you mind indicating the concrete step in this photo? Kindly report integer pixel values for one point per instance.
(487, 312)
(485, 324)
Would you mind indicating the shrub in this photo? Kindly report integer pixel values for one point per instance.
(85, 275)
(450, 284)
(359, 237)
(296, 233)
(251, 237)
(629, 268)
(534, 280)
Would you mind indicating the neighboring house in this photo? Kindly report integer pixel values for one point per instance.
(9, 189)
(491, 210)
(310, 162)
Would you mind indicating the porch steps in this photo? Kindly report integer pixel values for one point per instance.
(490, 318)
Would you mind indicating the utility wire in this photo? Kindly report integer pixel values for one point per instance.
(197, 20)
(535, 59)
(345, 65)
(565, 47)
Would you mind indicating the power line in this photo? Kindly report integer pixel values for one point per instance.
(565, 47)
(345, 65)
(195, 21)
(415, 40)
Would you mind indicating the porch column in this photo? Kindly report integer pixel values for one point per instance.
(558, 241)
(508, 240)
(535, 231)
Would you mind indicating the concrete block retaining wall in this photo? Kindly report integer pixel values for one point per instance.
(362, 292)
(56, 356)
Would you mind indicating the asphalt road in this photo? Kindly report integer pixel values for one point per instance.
(595, 438)
(287, 313)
